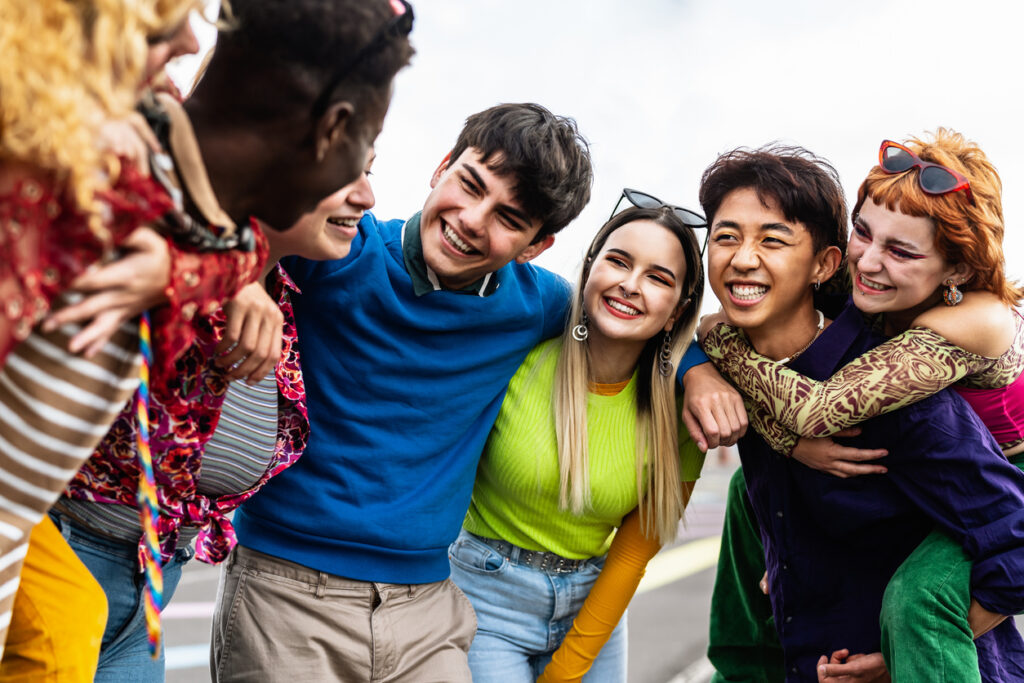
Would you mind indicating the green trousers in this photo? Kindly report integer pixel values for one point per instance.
(743, 645)
(925, 634)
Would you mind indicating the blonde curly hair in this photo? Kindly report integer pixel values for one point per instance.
(68, 66)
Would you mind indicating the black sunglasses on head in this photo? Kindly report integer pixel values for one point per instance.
(690, 219)
(399, 26)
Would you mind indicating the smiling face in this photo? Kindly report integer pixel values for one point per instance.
(472, 223)
(761, 266)
(326, 232)
(635, 283)
(179, 40)
(894, 263)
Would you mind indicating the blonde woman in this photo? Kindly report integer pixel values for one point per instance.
(588, 439)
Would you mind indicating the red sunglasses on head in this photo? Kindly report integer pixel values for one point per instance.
(933, 178)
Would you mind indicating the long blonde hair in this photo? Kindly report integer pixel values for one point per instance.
(68, 66)
(657, 420)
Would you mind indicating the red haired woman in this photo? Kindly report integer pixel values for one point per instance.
(925, 256)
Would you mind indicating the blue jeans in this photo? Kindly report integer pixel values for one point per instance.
(524, 613)
(124, 654)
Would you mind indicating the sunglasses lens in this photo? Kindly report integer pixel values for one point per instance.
(937, 180)
(694, 220)
(642, 200)
(896, 160)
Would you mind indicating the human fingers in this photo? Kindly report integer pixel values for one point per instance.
(81, 312)
(91, 339)
(848, 432)
(705, 415)
(736, 414)
(693, 427)
(271, 353)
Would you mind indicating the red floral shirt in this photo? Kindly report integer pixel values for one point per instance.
(46, 242)
(183, 416)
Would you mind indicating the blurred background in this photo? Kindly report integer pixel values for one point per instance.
(659, 88)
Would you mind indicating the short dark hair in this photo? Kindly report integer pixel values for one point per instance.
(806, 187)
(545, 153)
(308, 40)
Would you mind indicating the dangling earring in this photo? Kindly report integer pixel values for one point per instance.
(665, 356)
(580, 332)
(952, 296)
(817, 285)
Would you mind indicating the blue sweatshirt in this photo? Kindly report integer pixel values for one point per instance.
(402, 391)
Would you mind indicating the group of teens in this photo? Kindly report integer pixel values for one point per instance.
(445, 463)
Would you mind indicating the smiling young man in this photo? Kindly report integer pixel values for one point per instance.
(778, 223)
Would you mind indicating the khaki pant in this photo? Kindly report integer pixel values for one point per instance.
(279, 621)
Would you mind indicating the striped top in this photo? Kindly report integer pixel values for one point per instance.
(235, 458)
(54, 408)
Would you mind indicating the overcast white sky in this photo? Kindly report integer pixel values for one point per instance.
(660, 87)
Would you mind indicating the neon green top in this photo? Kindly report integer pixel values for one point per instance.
(515, 496)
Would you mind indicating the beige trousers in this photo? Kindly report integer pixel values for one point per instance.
(280, 621)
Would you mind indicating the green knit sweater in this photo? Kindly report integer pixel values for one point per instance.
(515, 496)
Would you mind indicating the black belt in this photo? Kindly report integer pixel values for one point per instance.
(549, 562)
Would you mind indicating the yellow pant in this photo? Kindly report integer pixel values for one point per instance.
(60, 612)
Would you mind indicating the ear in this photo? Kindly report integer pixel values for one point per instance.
(827, 262)
(330, 128)
(960, 273)
(536, 249)
(680, 308)
(439, 171)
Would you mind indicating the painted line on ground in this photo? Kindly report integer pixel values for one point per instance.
(680, 562)
(189, 610)
(187, 656)
(700, 671)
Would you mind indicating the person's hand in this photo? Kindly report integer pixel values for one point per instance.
(130, 138)
(117, 291)
(709, 322)
(981, 620)
(712, 409)
(763, 583)
(251, 345)
(826, 455)
(843, 667)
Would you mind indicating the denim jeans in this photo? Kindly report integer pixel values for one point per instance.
(524, 613)
(124, 654)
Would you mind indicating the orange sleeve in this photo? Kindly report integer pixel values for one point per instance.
(614, 588)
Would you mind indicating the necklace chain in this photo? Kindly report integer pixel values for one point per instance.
(821, 326)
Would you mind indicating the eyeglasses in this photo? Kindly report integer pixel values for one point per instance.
(933, 178)
(690, 219)
(399, 26)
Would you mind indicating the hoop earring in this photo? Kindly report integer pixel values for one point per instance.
(665, 356)
(580, 332)
(952, 296)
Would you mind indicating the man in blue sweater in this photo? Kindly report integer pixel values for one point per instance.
(407, 347)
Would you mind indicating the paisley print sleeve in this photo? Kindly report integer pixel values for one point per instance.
(771, 430)
(903, 370)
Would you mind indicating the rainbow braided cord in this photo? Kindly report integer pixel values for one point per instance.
(148, 506)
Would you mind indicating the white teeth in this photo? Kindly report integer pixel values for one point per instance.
(345, 222)
(748, 292)
(872, 285)
(450, 235)
(619, 306)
